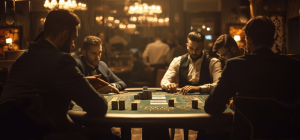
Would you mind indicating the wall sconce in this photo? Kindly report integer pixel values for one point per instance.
(237, 38)
(9, 41)
(10, 12)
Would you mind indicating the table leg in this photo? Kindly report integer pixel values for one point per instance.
(186, 134)
(126, 133)
(172, 133)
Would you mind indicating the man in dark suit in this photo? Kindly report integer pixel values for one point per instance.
(89, 63)
(47, 69)
(260, 73)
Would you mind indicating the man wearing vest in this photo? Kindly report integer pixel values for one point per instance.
(197, 72)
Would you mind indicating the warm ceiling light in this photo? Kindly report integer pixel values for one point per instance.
(62, 4)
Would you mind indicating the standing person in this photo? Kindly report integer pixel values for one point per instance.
(105, 48)
(170, 40)
(47, 71)
(117, 42)
(196, 70)
(138, 67)
(261, 73)
(157, 53)
(89, 63)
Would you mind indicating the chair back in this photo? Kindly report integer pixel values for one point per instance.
(266, 118)
(24, 116)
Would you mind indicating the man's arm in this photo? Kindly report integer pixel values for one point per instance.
(224, 90)
(145, 55)
(113, 79)
(215, 70)
(70, 82)
(171, 73)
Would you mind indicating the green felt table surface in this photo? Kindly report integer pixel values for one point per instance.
(182, 103)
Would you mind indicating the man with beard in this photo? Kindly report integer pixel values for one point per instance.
(196, 71)
(48, 72)
(89, 63)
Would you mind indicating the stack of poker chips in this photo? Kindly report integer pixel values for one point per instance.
(145, 95)
(171, 102)
(114, 105)
(121, 104)
(195, 104)
(149, 94)
(136, 97)
(133, 106)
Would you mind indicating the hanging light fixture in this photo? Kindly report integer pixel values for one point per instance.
(62, 4)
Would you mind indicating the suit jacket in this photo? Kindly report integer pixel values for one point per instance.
(107, 74)
(52, 74)
(260, 73)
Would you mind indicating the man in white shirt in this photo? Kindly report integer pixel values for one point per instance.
(157, 53)
(197, 72)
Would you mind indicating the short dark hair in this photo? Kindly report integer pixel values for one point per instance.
(90, 40)
(59, 20)
(261, 31)
(224, 40)
(196, 36)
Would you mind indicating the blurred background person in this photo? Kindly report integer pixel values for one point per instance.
(105, 48)
(156, 54)
(138, 66)
(117, 42)
(170, 40)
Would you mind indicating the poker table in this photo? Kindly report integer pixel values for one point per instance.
(156, 113)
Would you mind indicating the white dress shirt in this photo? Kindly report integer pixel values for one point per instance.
(158, 53)
(193, 77)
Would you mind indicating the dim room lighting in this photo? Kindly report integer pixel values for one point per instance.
(117, 21)
(208, 29)
(199, 30)
(203, 27)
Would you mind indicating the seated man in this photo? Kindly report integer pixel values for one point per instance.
(197, 71)
(47, 69)
(89, 63)
(261, 73)
(227, 48)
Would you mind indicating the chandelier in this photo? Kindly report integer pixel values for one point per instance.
(143, 9)
(68, 5)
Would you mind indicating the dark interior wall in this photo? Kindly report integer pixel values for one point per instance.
(21, 18)
(293, 33)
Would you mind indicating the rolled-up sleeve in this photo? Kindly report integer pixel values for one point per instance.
(171, 73)
(215, 70)
(224, 90)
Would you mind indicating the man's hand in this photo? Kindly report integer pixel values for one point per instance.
(96, 82)
(187, 89)
(172, 87)
(114, 90)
